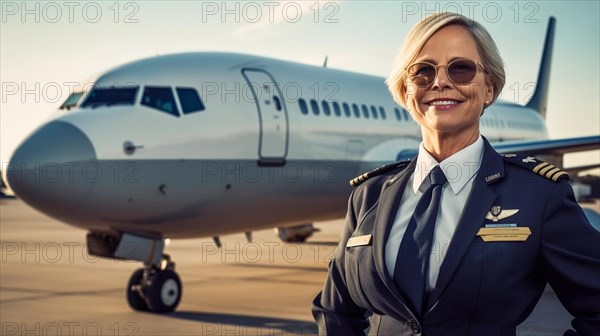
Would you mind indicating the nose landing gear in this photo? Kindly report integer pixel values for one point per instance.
(155, 288)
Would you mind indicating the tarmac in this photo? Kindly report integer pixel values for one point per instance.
(49, 285)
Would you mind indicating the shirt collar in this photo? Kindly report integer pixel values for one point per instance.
(458, 168)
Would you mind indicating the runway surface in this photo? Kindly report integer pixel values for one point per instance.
(50, 286)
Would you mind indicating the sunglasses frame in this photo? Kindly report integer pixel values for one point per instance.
(478, 66)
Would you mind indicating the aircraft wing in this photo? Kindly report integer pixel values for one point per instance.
(535, 147)
(555, 146)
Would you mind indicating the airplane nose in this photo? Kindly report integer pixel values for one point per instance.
(54, 169)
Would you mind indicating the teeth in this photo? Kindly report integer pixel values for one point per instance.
(443, 102)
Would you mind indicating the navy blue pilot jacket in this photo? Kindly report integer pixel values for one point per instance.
(483, 288)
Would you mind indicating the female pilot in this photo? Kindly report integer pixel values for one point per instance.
(461, 240)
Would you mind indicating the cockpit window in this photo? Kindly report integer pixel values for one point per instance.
(189, 100)
(111, 96)
(71, 101)
(160, 98)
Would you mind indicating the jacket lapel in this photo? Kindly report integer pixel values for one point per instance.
(387, 207)
(478, 203)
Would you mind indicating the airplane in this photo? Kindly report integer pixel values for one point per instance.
(208, 143)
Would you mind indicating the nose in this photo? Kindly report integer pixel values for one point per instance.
(441, 79)
(53, 170)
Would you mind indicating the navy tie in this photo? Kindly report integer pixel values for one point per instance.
(412, 263)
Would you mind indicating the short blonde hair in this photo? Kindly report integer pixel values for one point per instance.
(422, 31)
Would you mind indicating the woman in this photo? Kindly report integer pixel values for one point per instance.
(460, 241)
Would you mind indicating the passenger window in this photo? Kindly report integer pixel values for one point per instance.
(365, 111)
(336, 109)
(160, 98)
(346, 109)
(406, 115)
(397, 112)
(382, 112)
(189, 100)
(277, 103)
(303, 107)
(356, 110)
(374, 112)
(326, 109)
(315, 107)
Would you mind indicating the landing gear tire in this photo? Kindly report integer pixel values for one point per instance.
(155, 288)
(164, 292)
(295, 234)
(134, 297)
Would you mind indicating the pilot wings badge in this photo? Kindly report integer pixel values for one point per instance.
(496, 213)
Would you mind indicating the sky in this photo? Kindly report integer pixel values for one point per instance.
(47, 46)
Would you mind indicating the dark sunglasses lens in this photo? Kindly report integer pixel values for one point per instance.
(462, 71)
(422, 74)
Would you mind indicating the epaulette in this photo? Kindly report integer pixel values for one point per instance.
(537, 166)
(355, 182)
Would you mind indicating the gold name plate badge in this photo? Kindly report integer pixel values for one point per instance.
(504, 234)
(359, 241)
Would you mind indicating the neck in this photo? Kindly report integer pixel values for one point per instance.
(443, 145)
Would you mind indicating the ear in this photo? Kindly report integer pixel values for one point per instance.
(489, 90)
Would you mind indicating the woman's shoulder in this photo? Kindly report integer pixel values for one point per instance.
(379, 174)
(369, 186)
(536, 166)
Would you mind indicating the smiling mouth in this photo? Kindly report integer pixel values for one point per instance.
(443, 102)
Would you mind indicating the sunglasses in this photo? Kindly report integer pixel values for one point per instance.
(460, 71)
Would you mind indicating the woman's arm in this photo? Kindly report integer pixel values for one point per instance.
(570, 252)
(333, 308)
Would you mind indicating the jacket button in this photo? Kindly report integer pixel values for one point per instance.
(413, 325)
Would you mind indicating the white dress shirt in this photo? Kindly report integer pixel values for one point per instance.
(460, 170)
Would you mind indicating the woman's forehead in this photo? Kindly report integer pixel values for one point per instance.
(448, 43)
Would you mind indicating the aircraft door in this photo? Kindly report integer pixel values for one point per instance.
(272, 115)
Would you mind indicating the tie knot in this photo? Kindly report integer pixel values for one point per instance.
(437, 177)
